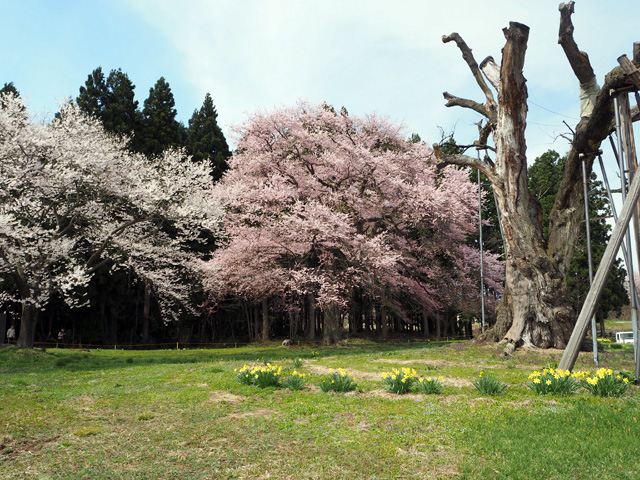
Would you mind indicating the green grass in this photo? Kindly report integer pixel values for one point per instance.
(108, 414)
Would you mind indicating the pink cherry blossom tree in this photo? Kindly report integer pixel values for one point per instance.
(319, 203)
(73, 199)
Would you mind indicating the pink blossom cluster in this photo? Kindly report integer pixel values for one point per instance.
(318, 201)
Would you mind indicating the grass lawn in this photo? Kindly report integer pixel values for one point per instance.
(108, 414)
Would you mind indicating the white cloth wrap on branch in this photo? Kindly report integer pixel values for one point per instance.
(588, 93)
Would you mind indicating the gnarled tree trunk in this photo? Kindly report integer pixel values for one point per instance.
(534, 309)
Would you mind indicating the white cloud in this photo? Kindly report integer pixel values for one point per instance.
(382, 56)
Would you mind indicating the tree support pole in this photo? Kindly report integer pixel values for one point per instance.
(481, 246)
(594, 332)
(625, 254)
(624, 134)
(570, 354)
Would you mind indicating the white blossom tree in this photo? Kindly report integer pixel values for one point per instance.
(73, 200)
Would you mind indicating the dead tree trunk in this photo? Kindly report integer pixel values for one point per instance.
(534, 309)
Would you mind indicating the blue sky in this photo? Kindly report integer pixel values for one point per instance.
(369, 56)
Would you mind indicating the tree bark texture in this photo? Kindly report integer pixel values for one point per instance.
(534, 310)
(384, 320)
(28, 323)
(332, 331)
(146, 311)
(425, 322)
(311, 330)
(265, 320)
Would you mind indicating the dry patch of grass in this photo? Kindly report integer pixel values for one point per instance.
(218, 396)
(359, 374)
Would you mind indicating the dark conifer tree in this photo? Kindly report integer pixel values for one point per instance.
(111, 100)
(159, 128)
(205, 140)
(9, 88)
(120, 114)
(93, 94)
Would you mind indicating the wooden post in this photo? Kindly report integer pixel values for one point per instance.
(589, 307)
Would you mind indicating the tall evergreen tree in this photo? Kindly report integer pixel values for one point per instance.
(205, 140)
(120, 114)
(9, 88)
(545, 176)
(159, 128)
(110, 100)
(93, 94)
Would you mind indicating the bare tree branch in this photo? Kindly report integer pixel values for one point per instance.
(491, 70)
(462, 160)
(484, 132)
(453, 101)
(578, 60)
(475, 70)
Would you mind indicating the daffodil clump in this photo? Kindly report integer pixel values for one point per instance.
(489, 385)
(605, 383)
(400, 381)
(295, 381)
(430, 385)
(297, 362)
(263, 377)
(338, 381)
(555, 381)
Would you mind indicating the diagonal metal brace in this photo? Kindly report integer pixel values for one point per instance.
(570, 354)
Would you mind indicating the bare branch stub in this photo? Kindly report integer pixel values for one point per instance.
(453, 101)
(462, 160)
(578, 60)
(484, 131)
(636, 52)
(491, 70)
(509, 135)
(473, 65)
(633, 74)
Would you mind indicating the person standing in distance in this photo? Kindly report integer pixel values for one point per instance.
(11, 335)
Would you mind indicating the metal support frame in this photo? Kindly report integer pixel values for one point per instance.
(481, 246)
(620, 230)
(624, 136)
(625, 254)
(585, 186)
